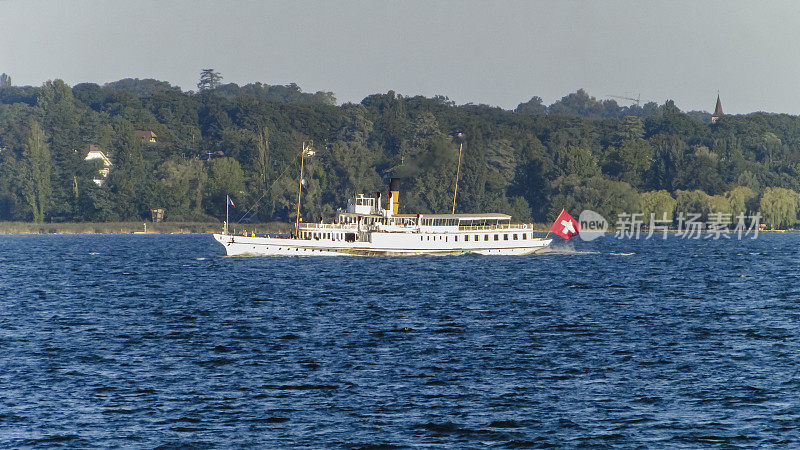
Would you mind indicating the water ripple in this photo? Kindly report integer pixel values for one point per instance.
(159, 341)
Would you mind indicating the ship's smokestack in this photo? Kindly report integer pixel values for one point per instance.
(394, 195)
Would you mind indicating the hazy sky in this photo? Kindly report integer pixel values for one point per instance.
(494, 52)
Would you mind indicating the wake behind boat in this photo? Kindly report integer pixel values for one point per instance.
(366, 228)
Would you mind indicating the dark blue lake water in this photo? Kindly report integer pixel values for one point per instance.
(143, 341)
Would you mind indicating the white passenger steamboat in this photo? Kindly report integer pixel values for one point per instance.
(367, 228)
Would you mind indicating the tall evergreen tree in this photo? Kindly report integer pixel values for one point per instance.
(38, 168)
(209, 80)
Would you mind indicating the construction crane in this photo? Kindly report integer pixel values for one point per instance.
(636, 100)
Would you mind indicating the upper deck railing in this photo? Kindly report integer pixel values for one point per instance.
(500, 226)
(330, 226)
(416, 228)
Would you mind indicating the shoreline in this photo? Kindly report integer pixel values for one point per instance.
(30, 228)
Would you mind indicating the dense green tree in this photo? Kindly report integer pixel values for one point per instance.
(719, 204)
(148, 87)
(176, 178)
(609, 198)
(578, 103)
(669, 153)
(12, 205)
(432, 167)
(630, 129)
(226, 178)
(37, 173)
(630, 161)
(741, 200)
(391, 119)
(533, 106)
(579, 161)
(779, 207)
(209, 80)
(700, 172)
(531, 181)
(657, 204)
(131, 181)
(692, 202)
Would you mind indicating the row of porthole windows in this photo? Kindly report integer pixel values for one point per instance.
(477, 237)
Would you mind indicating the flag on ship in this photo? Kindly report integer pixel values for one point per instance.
(230, 202)
(565, 226)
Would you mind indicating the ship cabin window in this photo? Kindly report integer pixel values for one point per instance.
(365, 201)
(524, 236)
(477, 222)
(485, 237)
(439, 222)
(349, 237)
(515, 236)
(456, 238)
(466, 237)
(505, 237)
(496, 237)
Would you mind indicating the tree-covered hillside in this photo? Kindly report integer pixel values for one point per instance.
(245, 141)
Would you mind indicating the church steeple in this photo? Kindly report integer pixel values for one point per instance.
(717, 111)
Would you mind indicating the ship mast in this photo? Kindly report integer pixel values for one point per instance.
(458, 170)
(306, 151)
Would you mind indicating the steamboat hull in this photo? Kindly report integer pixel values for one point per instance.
(380, 244)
